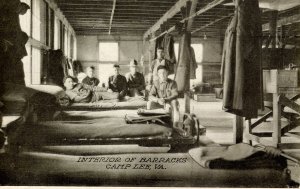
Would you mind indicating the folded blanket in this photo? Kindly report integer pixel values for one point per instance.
(238, 156)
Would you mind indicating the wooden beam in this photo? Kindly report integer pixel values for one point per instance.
(283, 21)
(169, 14)
(212, 23)
(201, 11)
(192, 11)
(112, 16)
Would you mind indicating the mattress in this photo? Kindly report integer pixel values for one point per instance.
(90, 131)
(178, 169)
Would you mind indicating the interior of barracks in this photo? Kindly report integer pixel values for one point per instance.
(150, 93)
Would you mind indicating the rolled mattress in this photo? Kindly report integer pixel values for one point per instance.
(79, 131)
(162, 169)
(106, 105)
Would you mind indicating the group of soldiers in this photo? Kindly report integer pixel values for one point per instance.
(162, 91)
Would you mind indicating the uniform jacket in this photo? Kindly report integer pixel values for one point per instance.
(118, 84)
(241, 61)
(167, 90)
(91, 81)
(136, 81)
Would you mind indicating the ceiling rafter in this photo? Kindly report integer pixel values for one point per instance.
(112, 16)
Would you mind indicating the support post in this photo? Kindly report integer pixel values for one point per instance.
(273, 34)
(238, 125)
(276, 135)
(187, 103)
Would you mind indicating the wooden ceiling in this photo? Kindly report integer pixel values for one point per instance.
(135, 17)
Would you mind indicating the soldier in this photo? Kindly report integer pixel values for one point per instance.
(135, 80)
(117, 82)
(160, 60)
(82, 93)
(164, 94)
(90, 79)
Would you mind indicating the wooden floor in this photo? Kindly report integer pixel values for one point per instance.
(219, 128)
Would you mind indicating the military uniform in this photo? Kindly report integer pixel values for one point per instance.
(91, 81)
(118, 83)
(135, 83)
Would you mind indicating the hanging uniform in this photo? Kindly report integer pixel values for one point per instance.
(241, 61)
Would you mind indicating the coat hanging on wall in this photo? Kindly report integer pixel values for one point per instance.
(241, 61)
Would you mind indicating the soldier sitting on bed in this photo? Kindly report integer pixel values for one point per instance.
(163, 94)
(117, 82)
(90, 79)
(82, 93)
(135, 80)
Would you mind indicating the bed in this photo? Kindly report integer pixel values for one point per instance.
(66, 105)
(95, 128)
(37, 168)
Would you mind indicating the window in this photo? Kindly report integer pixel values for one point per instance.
(27, 65)
(47, 24)
(109, 51)
(198, 49)
(25, 20)
(62, 35)
(43, 21)
(52, 28)
(56, 33)
(36, 66)
(176, 49)
(66, 42)
(36, 19)
(72, 46)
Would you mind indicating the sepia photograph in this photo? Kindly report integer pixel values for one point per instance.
(150, 93)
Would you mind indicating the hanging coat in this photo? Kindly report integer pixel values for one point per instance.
(166, 42)
(193, 64)
(241, 61)
(168, 46)
(187, 64)
(183, 65)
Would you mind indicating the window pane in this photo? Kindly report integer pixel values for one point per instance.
(109, 52)
(36, 66)
(198, 48)
(36, 21)
(25, 20)
(56, 33)
(27, 65)
(43, 21)
(176, 49)
(66, 42)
